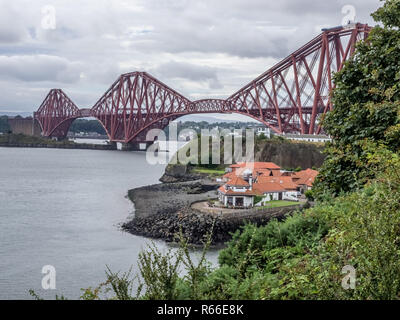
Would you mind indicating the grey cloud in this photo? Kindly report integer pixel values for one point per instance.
(99, 39)
(235, 25)
(188, 71)
(12, 29)
(38, 68)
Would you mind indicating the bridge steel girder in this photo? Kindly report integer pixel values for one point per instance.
(301, 79)
(288, 98)
(56, 113)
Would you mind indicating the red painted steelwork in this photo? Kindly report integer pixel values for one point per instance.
(289, 97)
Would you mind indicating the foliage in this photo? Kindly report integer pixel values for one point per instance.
(309, 195)
(159, 273)
(249, 245)
(366, 106)
(257, 199)
(83, 125)
(4, 125)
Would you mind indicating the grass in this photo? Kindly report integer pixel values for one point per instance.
(213, 172)
(279, 203)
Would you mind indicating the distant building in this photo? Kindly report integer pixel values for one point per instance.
(27, 126)
(307, 137)
(264, 180)
(265, 131)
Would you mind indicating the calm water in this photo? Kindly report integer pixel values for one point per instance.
(62, 208)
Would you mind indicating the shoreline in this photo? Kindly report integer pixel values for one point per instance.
(59, 146)
(163, 210)
(23, 141)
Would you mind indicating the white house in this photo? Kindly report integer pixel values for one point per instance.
(264, 180)
(237, 193)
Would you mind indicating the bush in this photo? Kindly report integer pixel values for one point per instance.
(309, 195)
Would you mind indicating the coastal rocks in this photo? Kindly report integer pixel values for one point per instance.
(161, 199)
(163, 210)
(195, 226)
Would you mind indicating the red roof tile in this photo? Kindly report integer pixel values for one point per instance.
(261, 188)
(236, 193)
(305, 177)
(284, 181)
(237, 181)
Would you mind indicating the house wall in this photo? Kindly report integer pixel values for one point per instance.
(291, 195)
(274, 196)
(247, 201)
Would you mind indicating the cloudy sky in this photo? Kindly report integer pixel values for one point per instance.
(207, 48)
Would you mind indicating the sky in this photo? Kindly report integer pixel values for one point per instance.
(202, 49)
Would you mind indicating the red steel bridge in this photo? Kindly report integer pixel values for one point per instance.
(289, 98)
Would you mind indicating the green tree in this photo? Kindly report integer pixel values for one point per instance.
(366, 106)
(4, 125)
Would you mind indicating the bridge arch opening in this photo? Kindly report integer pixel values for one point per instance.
(87, 130)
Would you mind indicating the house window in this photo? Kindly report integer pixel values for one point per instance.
(230, 201)
(239, 202)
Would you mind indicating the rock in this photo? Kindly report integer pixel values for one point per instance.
(195, 225)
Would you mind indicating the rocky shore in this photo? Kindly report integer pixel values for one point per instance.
(196, 225)
(163, 210)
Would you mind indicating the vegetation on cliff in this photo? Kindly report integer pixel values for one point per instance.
(289, 155)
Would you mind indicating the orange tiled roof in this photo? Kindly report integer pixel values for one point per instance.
(276, 173)
(237, 181)
(261, 188)
(229, 175)
(237, 193)
(305, 177)
(258, 172)
(284, 181)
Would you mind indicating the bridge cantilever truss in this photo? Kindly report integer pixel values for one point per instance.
(289, 97)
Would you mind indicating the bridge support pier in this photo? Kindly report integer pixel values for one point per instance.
(134, 146)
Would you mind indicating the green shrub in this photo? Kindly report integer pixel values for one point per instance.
(309, 195)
